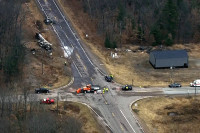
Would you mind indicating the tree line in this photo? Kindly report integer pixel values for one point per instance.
(152, 22)
(11, 47)
(24, 113)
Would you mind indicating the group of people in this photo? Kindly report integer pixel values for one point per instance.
(105, 90)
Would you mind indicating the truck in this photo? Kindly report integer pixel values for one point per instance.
(88, 89)
(195, 83)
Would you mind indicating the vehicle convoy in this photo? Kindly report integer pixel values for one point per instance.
(41, 90)
(88, 89)
(127, 87)
(175, 85)
(195, 83)
(47, 101)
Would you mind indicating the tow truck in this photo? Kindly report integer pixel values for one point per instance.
(88, 89)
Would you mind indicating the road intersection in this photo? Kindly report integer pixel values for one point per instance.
(112, 108)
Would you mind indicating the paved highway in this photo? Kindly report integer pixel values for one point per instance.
(115, 114)
(113, 108)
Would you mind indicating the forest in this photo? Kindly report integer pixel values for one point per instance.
(146, 22)
(11, 47)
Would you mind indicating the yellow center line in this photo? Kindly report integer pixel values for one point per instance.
(121, 127)
(113, 114)
(84, 67)
(78, 56)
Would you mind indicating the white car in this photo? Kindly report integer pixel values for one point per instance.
(99, 92)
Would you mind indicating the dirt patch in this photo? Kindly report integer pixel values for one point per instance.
(170, 114)
(132, 65)
(42, 69)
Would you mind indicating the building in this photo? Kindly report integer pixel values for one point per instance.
(169, 58)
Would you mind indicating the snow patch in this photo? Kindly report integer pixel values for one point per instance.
(67, 51)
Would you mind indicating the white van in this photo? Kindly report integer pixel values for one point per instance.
(195, 83)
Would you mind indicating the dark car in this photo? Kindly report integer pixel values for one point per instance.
(175, 85)
(127, 87)
(41, 90)
(48, 21)
(108, 78)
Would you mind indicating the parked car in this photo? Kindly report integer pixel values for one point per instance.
(108, 78)
(41, 90)
(47, 101)
(127, 87)
(175, 85)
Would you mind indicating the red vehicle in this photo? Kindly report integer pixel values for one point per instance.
(47, 101)
(88, 88)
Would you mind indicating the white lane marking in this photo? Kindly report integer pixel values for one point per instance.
(97, 115)
(127, 121)
(77, 69)
(58, 37)
(134, 115)
(77, 39)
(65, 50)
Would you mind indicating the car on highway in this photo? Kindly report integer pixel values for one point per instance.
(175, 85)
(41, 90)
(108, 78)
(47, 101)
(127, 87)
(48, 21)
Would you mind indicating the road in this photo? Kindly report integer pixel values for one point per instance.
(117, 118)
(113, 108)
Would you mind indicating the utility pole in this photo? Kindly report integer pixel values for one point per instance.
(42, 61)
(195, 89)
(132, 82)
(120, 34)
(57, 100)
(171, 68)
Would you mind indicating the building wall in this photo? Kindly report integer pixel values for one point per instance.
(176, 62)
(152, 59)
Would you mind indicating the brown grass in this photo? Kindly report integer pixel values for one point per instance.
(155, 113)
(82, 113)
(130, 66)
(54, 73)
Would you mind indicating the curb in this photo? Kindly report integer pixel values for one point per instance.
(97, 115)
(70, 83)
(137, 121)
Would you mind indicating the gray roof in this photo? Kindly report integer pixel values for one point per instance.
(170, 54)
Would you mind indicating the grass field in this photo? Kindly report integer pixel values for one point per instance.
(170, 114)
(83, 114)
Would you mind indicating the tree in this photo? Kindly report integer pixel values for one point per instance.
(170, 17)
(140, 34)
(164, 30)
(107, 42)
(121, 13)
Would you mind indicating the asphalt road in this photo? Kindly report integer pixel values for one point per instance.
(115, 113)
(112, 108)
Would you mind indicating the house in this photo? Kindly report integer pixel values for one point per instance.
(168, 58)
